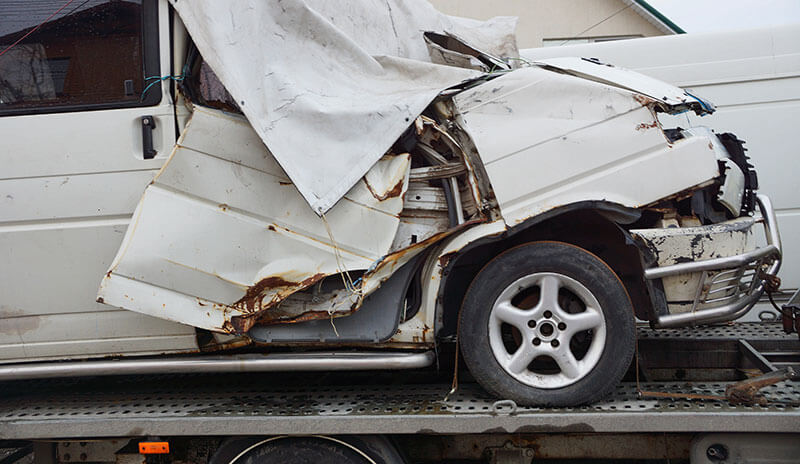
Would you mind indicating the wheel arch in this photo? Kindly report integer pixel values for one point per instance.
(608, 240)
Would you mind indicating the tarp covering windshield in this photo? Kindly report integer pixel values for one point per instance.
(329, 86)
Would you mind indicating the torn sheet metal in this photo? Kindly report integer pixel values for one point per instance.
(354, 74)
(669, 98)
(222, 235)
(549, 139)
(450, 50)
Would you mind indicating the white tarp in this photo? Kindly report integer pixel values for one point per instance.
(329, 86)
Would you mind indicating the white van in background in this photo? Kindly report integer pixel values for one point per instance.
(753, 78)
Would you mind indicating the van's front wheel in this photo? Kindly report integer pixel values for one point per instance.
(547, 323)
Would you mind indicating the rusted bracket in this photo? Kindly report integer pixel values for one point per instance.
(790, 314)
(747, 391)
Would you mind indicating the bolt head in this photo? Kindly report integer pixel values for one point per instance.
(562, 326)
(555, 343)
(548, 314)
(717, 452)
(537, 342)
(531, 323)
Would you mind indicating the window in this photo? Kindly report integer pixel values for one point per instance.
(203, 87)
(93, 54)
(585, 40)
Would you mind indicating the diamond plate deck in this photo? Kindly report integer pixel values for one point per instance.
(732, 331)
(264, 404)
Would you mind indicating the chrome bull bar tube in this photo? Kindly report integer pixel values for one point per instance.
(733, 310)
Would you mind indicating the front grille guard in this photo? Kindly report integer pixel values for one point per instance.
(729, 286)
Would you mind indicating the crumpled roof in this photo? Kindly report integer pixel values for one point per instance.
(329, 86)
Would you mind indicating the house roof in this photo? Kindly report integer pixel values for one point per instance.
(654, 17)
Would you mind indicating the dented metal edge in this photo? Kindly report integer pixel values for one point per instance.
(771, 251)
(731, 311)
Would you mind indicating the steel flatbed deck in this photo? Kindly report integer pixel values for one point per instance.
(357, 403)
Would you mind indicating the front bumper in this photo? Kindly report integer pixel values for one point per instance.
(725, 288)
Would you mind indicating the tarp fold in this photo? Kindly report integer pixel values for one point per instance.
(329, 86)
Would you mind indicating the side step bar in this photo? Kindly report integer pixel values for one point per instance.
(271, 362)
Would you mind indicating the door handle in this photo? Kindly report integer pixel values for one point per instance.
(148, 124)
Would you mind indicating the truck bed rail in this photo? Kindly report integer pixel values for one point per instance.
(291, 403)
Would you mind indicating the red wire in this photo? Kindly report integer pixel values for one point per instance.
(35, 28)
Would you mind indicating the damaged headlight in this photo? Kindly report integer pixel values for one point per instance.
(738, 179)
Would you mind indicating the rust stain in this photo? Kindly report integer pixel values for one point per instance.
(425, 330)
(445, 259)
(223, 207)
(255, 291)
(284, 183)
(391, 193)
(645, 126)
(213, 345)
(100, 299)
(252, 303)
(643, 100)
(241, 324)
(271, 227)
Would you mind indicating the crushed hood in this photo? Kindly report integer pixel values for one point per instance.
(667, 97)
(330, 86)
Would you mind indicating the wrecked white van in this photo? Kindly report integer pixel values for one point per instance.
(354, 186)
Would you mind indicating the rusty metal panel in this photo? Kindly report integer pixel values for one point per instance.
(673, 245)
(222, 235)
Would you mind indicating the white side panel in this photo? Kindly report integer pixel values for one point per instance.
(223, 234)
(560, 139)
(53, 197)
(49, 281)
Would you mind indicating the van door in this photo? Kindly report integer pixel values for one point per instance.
(85, 123)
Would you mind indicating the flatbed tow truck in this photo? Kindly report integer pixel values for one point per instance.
(678, 412)
(468, 203)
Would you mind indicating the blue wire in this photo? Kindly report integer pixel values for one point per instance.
(702, 104)
(158, 79)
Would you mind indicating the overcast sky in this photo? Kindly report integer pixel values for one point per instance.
(718, 15)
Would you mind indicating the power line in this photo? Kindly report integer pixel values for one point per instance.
(35, 28)
(598, 23)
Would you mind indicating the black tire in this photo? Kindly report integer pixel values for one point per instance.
(517, 286)
(353, 449)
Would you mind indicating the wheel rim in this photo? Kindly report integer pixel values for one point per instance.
(558, 329)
